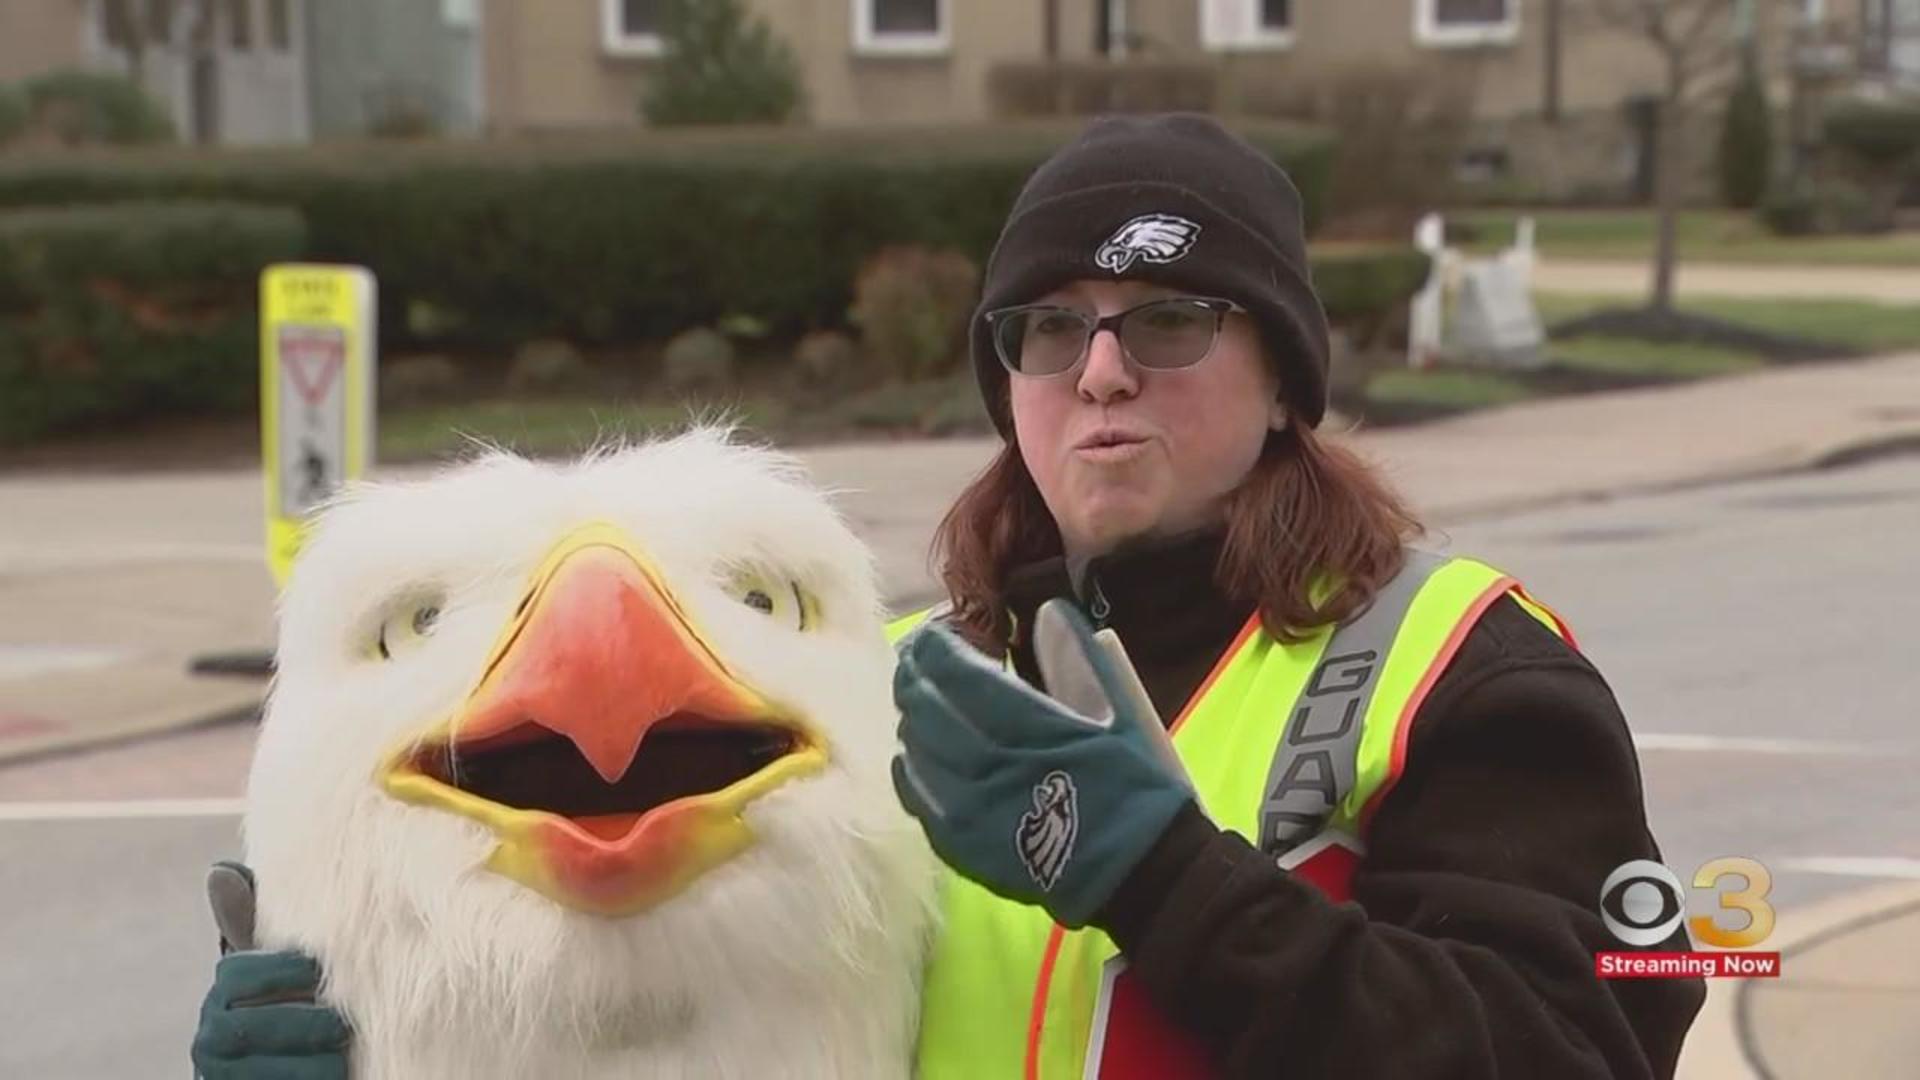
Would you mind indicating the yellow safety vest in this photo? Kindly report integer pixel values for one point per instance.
(1009, 994)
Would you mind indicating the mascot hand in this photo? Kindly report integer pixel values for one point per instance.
(1036, 800)
(262, 1018)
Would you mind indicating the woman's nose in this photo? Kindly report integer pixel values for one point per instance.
(1107, 374)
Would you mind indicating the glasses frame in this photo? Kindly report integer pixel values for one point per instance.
(1220, 307)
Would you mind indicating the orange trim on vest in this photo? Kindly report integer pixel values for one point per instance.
(1219, 666)
(1037, 1017)
(1043, 983)
(1559, 624)
(1405, 727)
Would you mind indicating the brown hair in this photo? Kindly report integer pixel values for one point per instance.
(1307, 508)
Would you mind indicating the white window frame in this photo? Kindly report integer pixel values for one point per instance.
(615, 41)
(867, 42)
(1428, 30)
(1228, 25)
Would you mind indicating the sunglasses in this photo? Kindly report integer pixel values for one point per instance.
(1039, 340)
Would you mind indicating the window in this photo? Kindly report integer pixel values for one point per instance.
(1466, 22)
(911, 27)
(240, 24)
(1246, 24)
(631, 27)
(280, 25)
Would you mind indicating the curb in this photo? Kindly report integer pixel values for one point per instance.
(31, 751)
(1816, 457)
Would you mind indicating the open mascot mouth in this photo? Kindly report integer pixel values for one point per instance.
(607, 747)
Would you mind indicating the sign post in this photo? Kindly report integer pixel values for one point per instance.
(318, 365)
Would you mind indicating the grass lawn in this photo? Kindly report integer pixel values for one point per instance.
(1863, 324)
(1705, 235)
(1451, 390)
(1627, 356)
(568, 424)
(538, 426)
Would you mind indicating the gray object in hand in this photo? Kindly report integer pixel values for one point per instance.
(1073, 680)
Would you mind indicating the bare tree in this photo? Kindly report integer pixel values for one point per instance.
(1699, 43)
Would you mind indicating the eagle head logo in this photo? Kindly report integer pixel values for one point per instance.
(1157, 238)
(1046, 834)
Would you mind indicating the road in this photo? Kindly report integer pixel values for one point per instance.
(1759, 635)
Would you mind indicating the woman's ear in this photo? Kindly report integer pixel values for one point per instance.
(1277, 415)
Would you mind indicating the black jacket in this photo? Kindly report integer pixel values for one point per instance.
(1470, 950)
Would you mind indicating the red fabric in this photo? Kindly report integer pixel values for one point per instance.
(1143, 1045)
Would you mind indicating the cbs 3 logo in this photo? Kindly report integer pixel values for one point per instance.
(1642, 903)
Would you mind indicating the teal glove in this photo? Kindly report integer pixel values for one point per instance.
(261, 1020)
(1037, 801)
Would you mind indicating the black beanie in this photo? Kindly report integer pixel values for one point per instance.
(1177, 200)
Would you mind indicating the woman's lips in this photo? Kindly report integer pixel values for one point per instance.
(1110, 450)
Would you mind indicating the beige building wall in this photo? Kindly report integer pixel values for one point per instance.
(37, 36)
(1600, 67)
(547, 67)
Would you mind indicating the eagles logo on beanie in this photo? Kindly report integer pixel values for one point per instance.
(1173, 199)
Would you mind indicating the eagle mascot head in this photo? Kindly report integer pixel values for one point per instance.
(580, 770)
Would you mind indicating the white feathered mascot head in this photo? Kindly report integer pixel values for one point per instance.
(581, 770)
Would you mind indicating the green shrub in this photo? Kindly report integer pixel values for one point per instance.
(911, 306)
(1746, 143)
(1359, 285)
(546, 365)
(1365, 290)
(620, 239)
(79, 107)
(721, 68)
(13, 113)
(700, 358)
(112, 311)
(825, 357)
(1823, 208)
(1879, 135)
(419, 380)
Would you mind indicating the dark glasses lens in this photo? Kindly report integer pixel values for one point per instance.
(1165, 334)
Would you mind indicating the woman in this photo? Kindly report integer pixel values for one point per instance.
(1400, 787)
(1149, 346)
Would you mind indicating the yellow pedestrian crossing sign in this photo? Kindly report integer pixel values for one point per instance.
(318, 364)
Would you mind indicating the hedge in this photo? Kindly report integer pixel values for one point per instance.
(133, 309)
(628, 238)
(1879, 134)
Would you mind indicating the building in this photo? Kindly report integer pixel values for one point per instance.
(395, 67)
(227, 71)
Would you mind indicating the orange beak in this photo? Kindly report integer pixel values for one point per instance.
(606, 745)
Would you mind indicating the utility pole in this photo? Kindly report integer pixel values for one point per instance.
(1550, 103)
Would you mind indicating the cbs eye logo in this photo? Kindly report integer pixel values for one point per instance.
(1643, 903)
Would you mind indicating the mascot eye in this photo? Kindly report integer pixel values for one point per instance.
(785, 602)
(405, 626)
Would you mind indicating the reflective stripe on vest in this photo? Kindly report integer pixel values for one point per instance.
(1083, 1017)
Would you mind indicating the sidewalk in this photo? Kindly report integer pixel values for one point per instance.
(112, 585)
(1890, 285)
